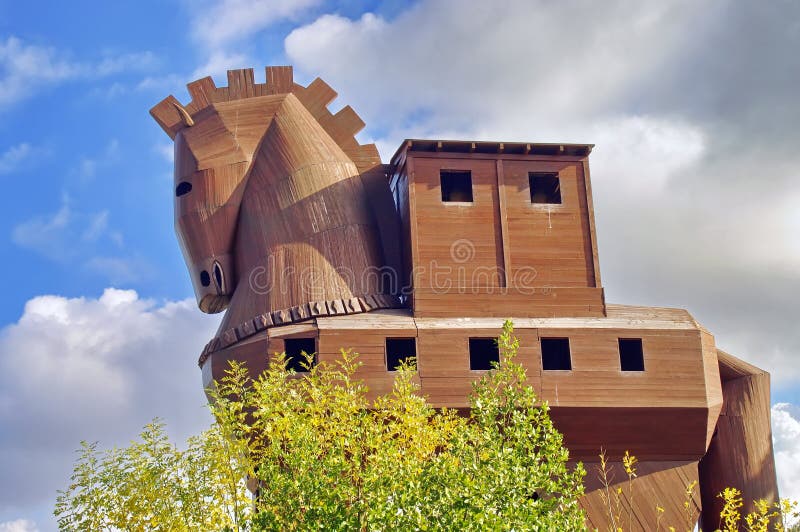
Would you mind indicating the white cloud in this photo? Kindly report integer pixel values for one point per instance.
(116, 63)
(120, 270)
(694, 182)
(219, 62)
(13, 157)
(94, 369)
(786, 440)
(19, 525)
(222, 22)
(44, 234)
(27, 68)
(535, 68)
(226, 31)
(163, 83)
(626, 146)
(166, 150)
(64, 234)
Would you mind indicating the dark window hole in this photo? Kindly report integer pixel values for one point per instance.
(398, 350)
(545, 187)
(631, 355)
(456, 186)
(482, 352)
(295, 347)
(555, 354)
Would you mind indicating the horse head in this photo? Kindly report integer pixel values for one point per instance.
(269, 181)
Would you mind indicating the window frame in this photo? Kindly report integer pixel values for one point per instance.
(493, 339)
(542, 340)
(532, 175)
(453, 172)
(413, 339)
(289, 360)
(640, 355)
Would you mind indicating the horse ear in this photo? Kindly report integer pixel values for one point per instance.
(171, 116)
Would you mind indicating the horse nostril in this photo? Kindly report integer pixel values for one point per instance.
(218, 276)
(205, 279)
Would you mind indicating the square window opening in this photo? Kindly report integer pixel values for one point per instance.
(545, 187)
(398, 350)
(555, 354)
(631, 354)
(482, 352)
(294, 348)
(456, 186)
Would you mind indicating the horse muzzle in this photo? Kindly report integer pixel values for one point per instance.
(213, 283)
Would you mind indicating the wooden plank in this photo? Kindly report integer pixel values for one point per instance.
(592, 228)
(241, 84)
(166, 113)
(202, 92)
(316, 97)
(740, 454)
(659, 483)
(503, 214)
(280, 79)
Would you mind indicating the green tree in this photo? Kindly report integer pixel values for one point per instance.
(321, 456)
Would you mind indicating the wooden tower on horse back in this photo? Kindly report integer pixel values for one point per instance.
(311, 244)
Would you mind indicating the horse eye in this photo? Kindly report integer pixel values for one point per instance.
(183, 187)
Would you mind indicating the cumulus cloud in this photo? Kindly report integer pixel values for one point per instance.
(19, 525)
(531, 66)
(695, 167)
(226, 29)
(786, 441)
(28, 67)
(94, 369)
(224, 21)
(218, 62)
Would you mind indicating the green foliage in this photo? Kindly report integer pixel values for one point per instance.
(322, 457)
(151, 485)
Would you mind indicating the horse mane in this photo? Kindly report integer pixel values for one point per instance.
(342, 127)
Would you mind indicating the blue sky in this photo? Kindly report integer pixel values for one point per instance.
(83, 163)
(692, 107)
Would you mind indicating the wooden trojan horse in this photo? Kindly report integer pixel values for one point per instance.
(312, 244)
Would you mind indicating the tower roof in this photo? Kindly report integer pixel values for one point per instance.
(492, 147)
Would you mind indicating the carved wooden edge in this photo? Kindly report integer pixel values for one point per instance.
(300, 313)
(172, 116)
(741, 453)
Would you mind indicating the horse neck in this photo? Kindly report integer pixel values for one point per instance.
(304, 228)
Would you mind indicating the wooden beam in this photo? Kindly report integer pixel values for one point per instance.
(502, 206)
(280, 79)
(202, 92)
